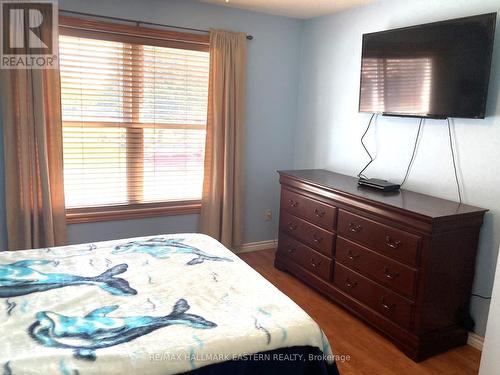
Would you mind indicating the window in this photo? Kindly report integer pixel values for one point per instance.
(134, 118)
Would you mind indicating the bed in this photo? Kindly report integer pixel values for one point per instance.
(150, 305)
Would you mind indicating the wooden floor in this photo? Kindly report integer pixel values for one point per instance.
(370, 352)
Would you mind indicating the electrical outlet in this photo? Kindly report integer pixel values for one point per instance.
(268, 215)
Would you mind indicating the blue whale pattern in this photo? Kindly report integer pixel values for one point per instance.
(84, 335)
(162, 248)
(20, 278)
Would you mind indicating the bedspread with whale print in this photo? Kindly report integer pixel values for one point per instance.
(151, 305)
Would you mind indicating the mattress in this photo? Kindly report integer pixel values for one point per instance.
(150, 305)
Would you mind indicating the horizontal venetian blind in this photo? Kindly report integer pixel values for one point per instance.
(396, 85)
(134, 119)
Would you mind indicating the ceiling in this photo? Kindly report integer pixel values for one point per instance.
(292, 8)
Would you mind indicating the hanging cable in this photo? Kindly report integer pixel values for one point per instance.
(479, 296)
(415, 146)
(454, 162)
(360, 174)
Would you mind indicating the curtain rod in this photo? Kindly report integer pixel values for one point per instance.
(138, 23)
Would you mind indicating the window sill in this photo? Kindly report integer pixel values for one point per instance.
(136, 211)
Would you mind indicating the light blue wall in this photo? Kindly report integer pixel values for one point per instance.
(273, 58)
(329, 126)
(81, 233)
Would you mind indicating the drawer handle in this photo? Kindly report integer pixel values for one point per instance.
(314, 264)
(354, 227)
(389, 275)
(317, 239)
(293, 203)
(350, 284)
(319, 213)
(352, 256)
(292, 226)
(391, 243)
(290, 249)
(386, 305)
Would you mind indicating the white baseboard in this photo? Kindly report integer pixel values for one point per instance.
(475, 341)
(256, 246)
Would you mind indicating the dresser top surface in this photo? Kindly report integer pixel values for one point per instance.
(421, 204)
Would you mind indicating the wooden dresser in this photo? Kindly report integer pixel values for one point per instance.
(402, 261)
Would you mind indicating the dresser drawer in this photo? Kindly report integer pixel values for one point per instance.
(316, 212)
(305, 256)
(319, 239)
(395, 243)
(387, 303)
(390, 273)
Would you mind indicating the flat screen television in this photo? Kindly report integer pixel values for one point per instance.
(436, 70)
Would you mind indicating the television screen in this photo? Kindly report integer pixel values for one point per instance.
(436, 70)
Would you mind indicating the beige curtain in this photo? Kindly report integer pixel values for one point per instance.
(222, 201)
(31, 118)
